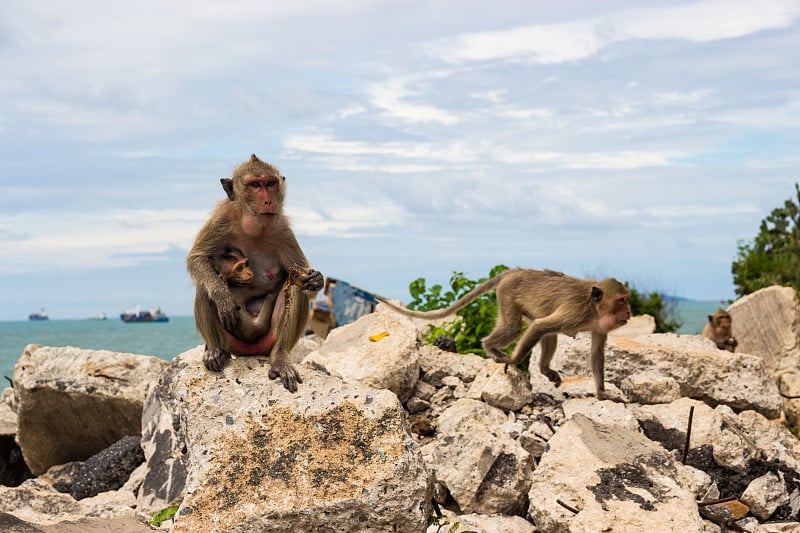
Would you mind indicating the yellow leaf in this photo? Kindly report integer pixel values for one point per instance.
(379, 336)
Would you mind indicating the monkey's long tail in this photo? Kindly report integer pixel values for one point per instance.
(461, 303)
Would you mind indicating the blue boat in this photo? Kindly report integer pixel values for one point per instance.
(39, 315)
(153, 315)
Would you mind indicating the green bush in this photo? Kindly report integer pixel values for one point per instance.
(475, 321)
(773, 257)
(653, 304)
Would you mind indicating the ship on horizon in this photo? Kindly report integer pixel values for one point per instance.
(41, 314)
(137, 315)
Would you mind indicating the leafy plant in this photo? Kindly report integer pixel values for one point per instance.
(773, 257)
(163, 515)
(443, 521)
(475, 321)
(653, 304)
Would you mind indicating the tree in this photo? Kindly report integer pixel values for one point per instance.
(773, 257)
(654, 304)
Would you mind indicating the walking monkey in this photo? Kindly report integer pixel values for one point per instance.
(251, 219)
(553, 303)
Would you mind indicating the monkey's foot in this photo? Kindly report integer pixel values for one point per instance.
(552, 375)
(215, 359)
(289, 375)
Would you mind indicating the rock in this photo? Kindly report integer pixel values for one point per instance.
(305, 346)
(38, 502)
(702, 371)
(108, 469)
(715, 429)
(437, 364)
(387, 363)
(603, 412)
(789, 385)
(11, 524)
(479, 523)
(72, 403)
(783, 526)
(765, 494)
(767, 323)
(331, 457)
(615, 478)
(508, 389)
(482, 467)
(636, 326)
(650, 388)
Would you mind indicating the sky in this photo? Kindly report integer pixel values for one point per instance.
(634, 139)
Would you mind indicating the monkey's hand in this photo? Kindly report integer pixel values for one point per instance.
(228, 312)
(308, 280)
(289, 375)
(215, 359)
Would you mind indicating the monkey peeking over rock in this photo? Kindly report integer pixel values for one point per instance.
(553, 303)
(249, 232)
(720, 330)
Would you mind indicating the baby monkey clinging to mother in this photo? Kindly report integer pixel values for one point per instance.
(553, 303)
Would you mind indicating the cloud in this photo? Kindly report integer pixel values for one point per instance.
(571, 41)
(104, 239)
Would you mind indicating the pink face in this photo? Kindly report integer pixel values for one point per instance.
(622, 309)
(262, 194)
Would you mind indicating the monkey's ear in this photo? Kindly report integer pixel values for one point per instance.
(283, 178)
(711, 318)
(227, 185)
(597, 294)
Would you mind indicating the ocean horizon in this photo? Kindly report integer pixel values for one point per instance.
(165, 340)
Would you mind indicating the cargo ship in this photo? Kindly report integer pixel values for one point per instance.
(137, 315)
(39, 315)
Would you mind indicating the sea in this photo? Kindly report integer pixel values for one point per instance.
(168, 339)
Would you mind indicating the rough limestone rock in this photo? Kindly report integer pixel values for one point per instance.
(615, 478)
(789, 384)
(636, 326)
(767, 323)
(715, 376)
(482, 467)
(605, 412)
(650, 388)
(359, 353)
(505, 388)
(72, 403)
(715, 429)
(331, 457)
(765, 494)
(437, 364)
(479, 523)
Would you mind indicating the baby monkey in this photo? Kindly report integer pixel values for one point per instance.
(234, 269)
(553, 303)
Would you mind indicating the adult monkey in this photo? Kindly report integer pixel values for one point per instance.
(553, 303)
(252, 220)
(719, 330)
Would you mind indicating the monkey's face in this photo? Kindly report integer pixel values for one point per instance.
(263, 193)
(722, 327)
(241, 272)
(614, 312)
